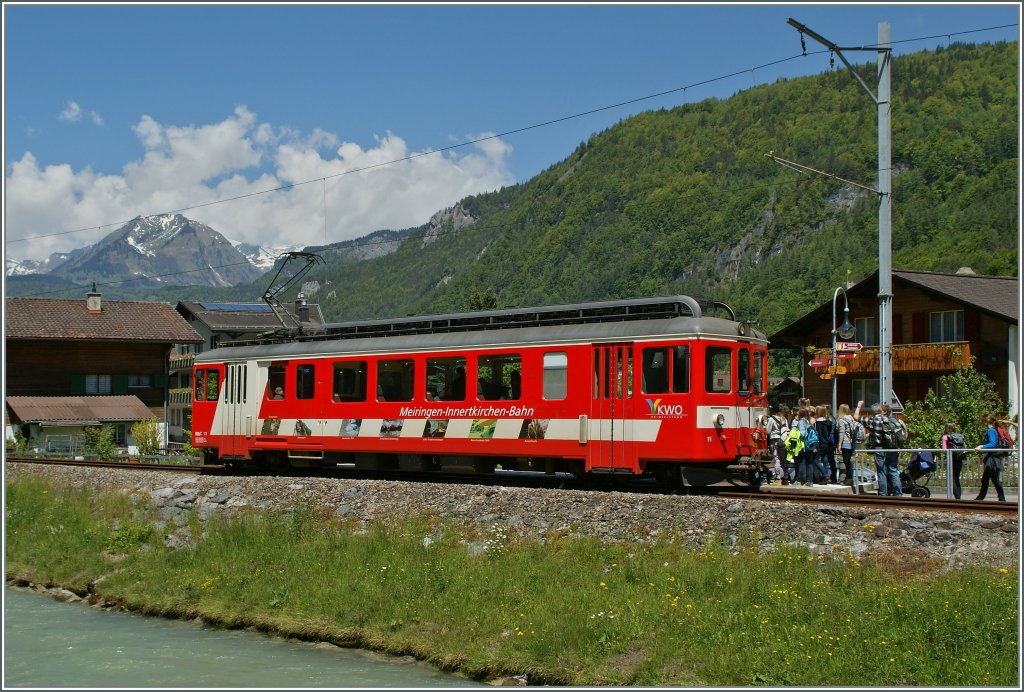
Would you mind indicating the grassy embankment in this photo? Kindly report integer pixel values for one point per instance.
(570, 612)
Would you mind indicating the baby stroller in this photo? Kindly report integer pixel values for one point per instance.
(917, 473)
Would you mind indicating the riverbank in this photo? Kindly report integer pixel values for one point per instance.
(598, 589)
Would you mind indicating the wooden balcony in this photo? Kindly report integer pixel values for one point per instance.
(181, 361)
(180, 396)
(938, 357)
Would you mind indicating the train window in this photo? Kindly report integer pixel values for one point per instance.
(681, 369)
(200, 385)
(349, 381)
(499, 377)
(212, 385)
(655, 370)
(305, 381)
(446, 378)
(758, 372)
(556, 369)
(394, 380)
(717, 369)
(275, 382)
(743, 372)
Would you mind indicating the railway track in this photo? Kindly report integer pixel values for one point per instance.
(571, 482)
(132, 465)
(931, 504)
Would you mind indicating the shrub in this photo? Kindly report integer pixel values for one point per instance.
(967, 395)
(146, 434)
(99, 440)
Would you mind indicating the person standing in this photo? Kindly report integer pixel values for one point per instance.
(805, 458)
(774, 426)
(992, 462)
(823, 428)
(954, 440)
(848, 425)
(886, 462)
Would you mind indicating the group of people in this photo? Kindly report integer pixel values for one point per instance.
(804, 443)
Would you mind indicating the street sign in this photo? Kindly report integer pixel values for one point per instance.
(825, 376)
(846, 356)
(837, 369)
(845, 346)
(818, 363)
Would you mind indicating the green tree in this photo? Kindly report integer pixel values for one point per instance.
(966, 396)
(485, 299)
(99, 440)
(146, 434)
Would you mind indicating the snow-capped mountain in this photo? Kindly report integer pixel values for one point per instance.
(26, 267)
(261, 257)
(167, 249)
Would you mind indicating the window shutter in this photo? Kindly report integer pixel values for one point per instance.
(119, 384)
(897, 329)
(77, 384)
(972, 325)
(919, 327)
(160, 380)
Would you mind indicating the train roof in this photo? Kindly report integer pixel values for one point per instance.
(605, 321)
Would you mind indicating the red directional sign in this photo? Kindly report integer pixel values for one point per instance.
(846, 355)
(819, 363)
(846, 346)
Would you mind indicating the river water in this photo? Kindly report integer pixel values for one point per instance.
(50, 644)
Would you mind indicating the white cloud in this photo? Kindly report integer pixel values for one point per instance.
(357, 189)
(72, 113)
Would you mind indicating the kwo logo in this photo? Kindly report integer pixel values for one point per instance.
(664, 410)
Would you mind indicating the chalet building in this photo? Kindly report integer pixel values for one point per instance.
(115, 349)
(940, 322)
(216, 323)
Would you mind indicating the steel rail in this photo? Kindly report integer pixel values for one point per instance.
(877, 502)
(131, 465)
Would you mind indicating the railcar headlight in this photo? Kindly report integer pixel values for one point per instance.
(720, 420)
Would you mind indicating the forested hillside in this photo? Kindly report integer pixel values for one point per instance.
(686, 201)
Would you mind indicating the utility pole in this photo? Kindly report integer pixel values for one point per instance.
(884, 103)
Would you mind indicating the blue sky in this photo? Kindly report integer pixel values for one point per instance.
(112, 111)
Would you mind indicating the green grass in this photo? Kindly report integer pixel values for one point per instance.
(563, 611)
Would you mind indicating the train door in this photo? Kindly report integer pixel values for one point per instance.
(236, 421)
(611, 446)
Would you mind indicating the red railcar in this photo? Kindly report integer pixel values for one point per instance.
(646, 386)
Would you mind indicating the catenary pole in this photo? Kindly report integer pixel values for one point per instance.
(884, 104)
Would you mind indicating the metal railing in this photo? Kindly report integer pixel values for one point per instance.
(970, 473)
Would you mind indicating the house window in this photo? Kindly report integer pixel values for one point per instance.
(120, 434)
(867, 332)
(946, 326)
(866, 390)
(98, 384)
(140, 380)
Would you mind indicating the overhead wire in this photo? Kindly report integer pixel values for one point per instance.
(323, 179)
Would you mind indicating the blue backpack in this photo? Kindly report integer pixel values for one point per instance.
(811, 439)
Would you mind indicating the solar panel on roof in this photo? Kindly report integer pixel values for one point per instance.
(236, 307)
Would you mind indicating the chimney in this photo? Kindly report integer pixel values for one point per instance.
(92, 301)
(301, 308)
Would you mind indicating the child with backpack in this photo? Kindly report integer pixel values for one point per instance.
(954, 440)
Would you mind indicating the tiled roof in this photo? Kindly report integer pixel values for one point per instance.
(994, 295)
(997, 295)
(118, 320)
(243, 320)
(77, 409)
